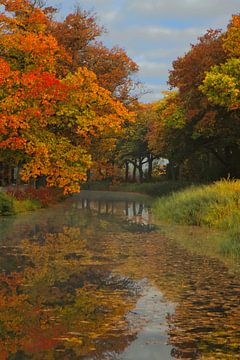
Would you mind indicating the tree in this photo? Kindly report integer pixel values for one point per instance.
(222, 83)
(78, 34)
(209, 128)
(24, 41)
(167, 132)
(50, 125)
(133, 146)
(189, 70)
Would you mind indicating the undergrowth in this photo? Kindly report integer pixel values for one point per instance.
(6, 204)
(160, 188)
(44, 195)
(16, 200)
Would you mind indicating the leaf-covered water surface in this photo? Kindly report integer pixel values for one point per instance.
(94, 279)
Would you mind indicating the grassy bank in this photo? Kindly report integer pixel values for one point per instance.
(215, 206)
(161, 188)
(10, 206)
(17, 200)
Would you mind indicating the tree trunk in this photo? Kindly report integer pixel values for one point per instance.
(180, 172)
(140, 170)
(134, 170)
(171, 171)
(127, 171)
(18, 179)
(134, 209)
(41, 181)
(150, 167)
(88, 178)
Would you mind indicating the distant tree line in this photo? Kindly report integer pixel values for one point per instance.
(197, 126)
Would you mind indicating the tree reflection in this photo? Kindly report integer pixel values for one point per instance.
(60, 297)
(58, 306)
(206, 321)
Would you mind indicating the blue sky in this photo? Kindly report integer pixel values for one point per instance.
(155, 32)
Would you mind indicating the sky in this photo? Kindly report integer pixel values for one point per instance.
(154, 32)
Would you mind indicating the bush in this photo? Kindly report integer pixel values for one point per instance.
(45, 196)
(6, 204)
(25, 205)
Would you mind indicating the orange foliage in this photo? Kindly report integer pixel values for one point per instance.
(51, 124)
(78, 34)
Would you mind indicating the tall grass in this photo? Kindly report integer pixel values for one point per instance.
(216, 206)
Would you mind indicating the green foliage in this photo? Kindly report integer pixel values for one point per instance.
(10, 206)
(221, 84)
(231, 245)
(167, 128)
(25, 205)
(170, 112)
(6, 204)
(134, 143)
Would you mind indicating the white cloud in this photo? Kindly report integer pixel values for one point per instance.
(107, 17)
(170, 53)
(138, 38)
(156, 32)
(153, 69)
(183, 8)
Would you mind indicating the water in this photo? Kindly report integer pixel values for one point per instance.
(93, 278)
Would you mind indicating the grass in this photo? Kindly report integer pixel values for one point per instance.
(10, 206)
(25, 205)
(161, 188)
(215, 206)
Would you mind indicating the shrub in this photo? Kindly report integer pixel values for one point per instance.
(25, 205)
(45, 196)
(6, 204)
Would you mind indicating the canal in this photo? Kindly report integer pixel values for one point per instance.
(95, 278)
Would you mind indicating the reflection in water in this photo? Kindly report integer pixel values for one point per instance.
(93, 279)
(63, 304)
(136, 215)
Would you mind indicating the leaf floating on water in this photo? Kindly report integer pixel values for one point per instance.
(72, 340)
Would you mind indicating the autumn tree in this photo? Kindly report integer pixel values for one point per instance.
(167, 133)
(79, 34)
(222, 83)
(49, 124)
(209, 128)
(24, 41)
